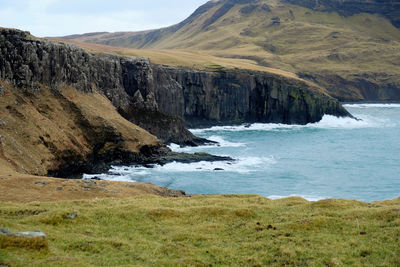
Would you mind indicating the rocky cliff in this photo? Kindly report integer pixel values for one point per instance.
(59, 110)
(62, 107)
(238, 96)
(127, 82)
(157, 97)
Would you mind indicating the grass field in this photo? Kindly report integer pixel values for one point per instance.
(205, 230)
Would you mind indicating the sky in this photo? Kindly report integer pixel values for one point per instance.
(45, 18)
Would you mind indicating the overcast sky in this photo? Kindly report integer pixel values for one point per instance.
(63, 17)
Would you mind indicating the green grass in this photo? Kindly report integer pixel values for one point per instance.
(207, 230)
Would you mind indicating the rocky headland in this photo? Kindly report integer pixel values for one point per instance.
(66, 111)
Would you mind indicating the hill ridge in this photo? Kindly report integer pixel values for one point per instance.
(354, 55)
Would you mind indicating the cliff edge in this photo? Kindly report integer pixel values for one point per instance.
(65, 109)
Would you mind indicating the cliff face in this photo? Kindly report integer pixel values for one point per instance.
(65, 132)
(226, 97)
(157, 97)
(126, 82)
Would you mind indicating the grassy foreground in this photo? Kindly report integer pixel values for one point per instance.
(205, 230)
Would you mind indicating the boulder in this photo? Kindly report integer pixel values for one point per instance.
(30, 234)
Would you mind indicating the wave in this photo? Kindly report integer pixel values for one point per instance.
(372, 105)
(306, 197)
(240, 165)
(132, 173)
(110, 177)
(221, 142)
(120, 174)
(332, 122)
(327, 122)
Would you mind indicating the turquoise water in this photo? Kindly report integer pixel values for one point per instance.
(335, 158)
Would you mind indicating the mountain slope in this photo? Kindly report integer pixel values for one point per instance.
(336, 44)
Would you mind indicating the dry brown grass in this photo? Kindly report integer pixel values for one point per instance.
(35, 243)
(38, 126)
(21, 188)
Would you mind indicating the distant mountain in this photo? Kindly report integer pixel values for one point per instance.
(351, 47)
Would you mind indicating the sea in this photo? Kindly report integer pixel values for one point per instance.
(334, 158)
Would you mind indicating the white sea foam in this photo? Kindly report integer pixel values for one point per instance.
(120, 173)
(327, 122)
(110, 177)
(221, 142)
(332, 122)
(372, 105)
(306, 197)
(240, 165)
(224, 143)
(131, 173)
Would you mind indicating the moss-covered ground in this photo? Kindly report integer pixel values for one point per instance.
(205, 230)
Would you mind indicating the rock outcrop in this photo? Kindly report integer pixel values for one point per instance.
(64, 107)
(238, 96)
(158, 97)
(127, 82)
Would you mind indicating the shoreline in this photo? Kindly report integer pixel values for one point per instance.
(22, 188)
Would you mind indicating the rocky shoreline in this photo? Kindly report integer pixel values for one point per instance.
(84, 112)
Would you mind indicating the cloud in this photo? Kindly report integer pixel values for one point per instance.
(58, 17)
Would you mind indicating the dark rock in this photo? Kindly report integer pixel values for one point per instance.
(72, 215)
(1, 90)
(187, 158)
(59, 188)
(127, 82)
(96, 178)
(241, 96)
(142, 92)
(265, 8)
(218, 169)
(275, 21)
(248, 9)
(42, 183)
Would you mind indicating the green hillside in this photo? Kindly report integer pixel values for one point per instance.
(355, 56)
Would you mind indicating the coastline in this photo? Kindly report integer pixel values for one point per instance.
(22, 188)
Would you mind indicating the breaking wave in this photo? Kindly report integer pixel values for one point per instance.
(327, 122)
(372, 105)
(132, 173)
(220, 142)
